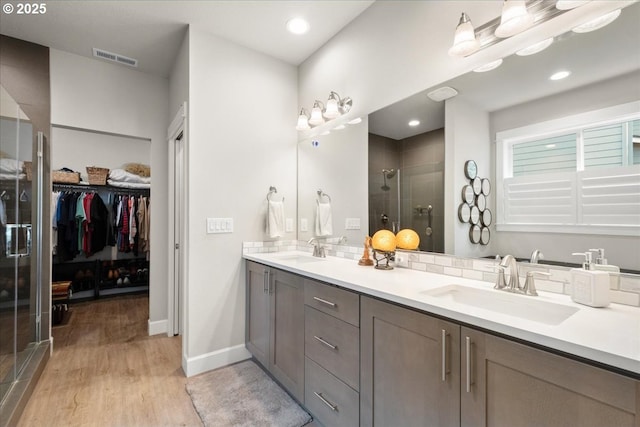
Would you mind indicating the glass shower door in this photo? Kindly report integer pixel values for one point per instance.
(19, 311)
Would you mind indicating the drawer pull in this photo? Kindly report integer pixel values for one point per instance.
(334, 408)
(331, 346)
(444, 356)
(468, 351)
(324, 301)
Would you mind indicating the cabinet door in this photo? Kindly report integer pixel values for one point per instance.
(287, 331)
(257, 322)
(510, 384)
(410, 367)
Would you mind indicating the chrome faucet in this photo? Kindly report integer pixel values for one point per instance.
(318, 251)
(514, 283)
(536, 255)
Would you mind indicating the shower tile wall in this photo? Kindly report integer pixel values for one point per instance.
(384, 153)
(421, 163)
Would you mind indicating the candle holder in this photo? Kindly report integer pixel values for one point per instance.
(383, 256)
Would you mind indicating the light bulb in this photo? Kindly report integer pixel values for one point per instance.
(331, 111)
(515, 18)
(303, 122)
(464, 41)
(297, 26)
(316, 115)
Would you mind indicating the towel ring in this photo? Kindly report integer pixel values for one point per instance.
(322, 194)
(272, 190)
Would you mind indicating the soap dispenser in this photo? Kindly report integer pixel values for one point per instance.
(600, 263)
(589, 286)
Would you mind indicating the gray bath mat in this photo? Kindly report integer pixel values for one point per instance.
(243, 395)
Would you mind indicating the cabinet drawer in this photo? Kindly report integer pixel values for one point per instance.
(330, 400)
(334, 345)
(337, 302)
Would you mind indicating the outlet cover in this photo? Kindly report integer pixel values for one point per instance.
(352, 224)
(304, 226)
(288, 225)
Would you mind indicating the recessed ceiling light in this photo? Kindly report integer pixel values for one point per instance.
(355, 121)
(414, 123)
(442, 93)
(339, 127)
(596, 24)
(535, 48)
(488, 67)
(326, 132)
(560, 75)
(550, 146)
(297, 26)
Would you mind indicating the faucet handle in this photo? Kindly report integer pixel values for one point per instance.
(530, 284)
(500, 281)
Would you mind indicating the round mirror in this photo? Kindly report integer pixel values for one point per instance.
(485, 236)
(475, 215)
(486, 217)
(464, 212)
(470, 169)
(474, 234)
(481, 202)
(477, 185)
(467, 194)
(486, 186)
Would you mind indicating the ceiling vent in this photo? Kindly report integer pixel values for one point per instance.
(442, 93)
(114, 57)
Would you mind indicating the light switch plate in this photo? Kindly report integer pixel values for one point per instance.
(304, 226)
(288, 227)
(219, 225)
(352, 224)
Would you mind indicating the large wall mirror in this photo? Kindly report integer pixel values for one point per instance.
(415, 173)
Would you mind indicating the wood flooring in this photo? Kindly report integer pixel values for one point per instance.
(106, 371)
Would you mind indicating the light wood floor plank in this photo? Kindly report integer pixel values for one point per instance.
(106, 371)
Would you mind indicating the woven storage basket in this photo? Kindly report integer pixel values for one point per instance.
(97, 176)
(65, 177)
(28, 168)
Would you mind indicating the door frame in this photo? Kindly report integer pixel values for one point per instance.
(176, 290)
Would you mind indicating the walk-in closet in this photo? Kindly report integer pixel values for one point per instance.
(100, 217)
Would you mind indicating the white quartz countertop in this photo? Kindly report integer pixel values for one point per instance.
(610, 335)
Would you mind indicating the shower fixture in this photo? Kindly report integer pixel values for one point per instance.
(387, 174)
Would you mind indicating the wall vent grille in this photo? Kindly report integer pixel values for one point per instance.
(114, 57)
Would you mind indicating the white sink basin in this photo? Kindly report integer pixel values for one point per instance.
(302, 259)
(522, 306)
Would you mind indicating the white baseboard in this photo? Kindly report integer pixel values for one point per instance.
(217, 359)
(157, 327)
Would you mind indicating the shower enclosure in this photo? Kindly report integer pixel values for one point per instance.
(21, 181)
(406, 187)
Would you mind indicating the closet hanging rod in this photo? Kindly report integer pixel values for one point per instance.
(98, 188)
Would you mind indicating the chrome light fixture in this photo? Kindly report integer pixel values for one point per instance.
(303, 120)
(316, 114)
(465, 41)
(515, 18)
(337, 106)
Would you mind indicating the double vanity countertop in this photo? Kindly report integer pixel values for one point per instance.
(609, 336)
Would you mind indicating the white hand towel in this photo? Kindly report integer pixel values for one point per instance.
(275, 218)
(324, 225)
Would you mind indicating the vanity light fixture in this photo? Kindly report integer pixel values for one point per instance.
(316, 114)
(535, 48)
(465, 41)
(335, 107)
(560, 75)
(515, 18)
(570, 4)
(298, 26)
(303, 120)
(414, 123)
(490, 66)
(596, 24)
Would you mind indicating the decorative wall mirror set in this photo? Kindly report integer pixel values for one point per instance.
(473, 209)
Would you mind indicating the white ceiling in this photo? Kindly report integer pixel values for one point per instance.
(152, 31)
(591, 57)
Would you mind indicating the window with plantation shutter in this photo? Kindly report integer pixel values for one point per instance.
(579, 174)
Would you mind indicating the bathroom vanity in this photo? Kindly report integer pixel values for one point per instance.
(359, 346)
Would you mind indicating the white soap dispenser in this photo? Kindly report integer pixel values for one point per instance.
(600, 263)
(589, 286)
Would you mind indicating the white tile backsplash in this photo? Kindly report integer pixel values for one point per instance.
(477, 269)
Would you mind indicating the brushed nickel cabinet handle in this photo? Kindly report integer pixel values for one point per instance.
(468, 348)
(444, 355)
(324, 301)
(331, 346)
(334, 408)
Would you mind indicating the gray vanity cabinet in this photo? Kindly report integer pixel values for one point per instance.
(275, 324)
(505, 383)
(410, 367)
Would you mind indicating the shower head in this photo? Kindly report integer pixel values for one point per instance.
(389, 173)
